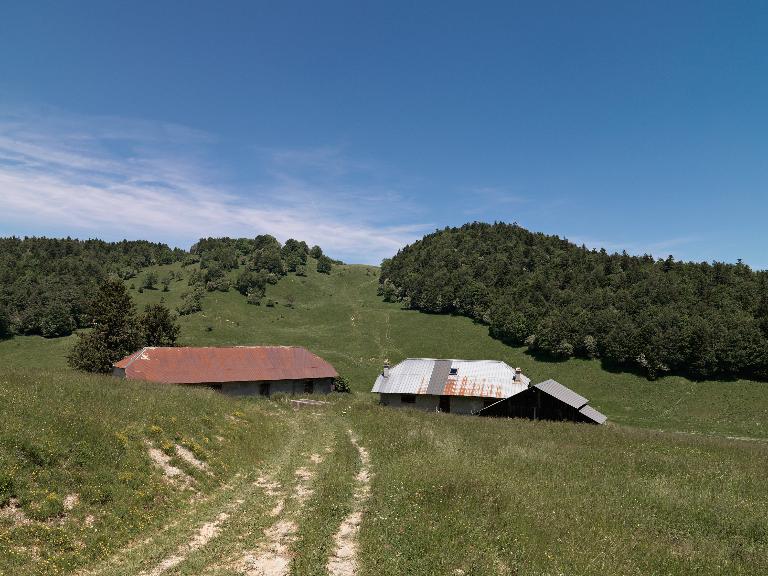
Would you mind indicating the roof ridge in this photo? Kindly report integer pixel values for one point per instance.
(135, 356)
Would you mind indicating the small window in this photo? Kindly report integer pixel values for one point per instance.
(453, 371)
(408, 398)
(309, 387)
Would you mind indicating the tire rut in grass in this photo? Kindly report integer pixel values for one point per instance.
(343, 561)
(205, 534)
(273, 556)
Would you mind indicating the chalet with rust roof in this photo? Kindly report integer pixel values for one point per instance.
(483, 387)
(241, 370)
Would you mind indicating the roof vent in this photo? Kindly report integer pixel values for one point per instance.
(453, 371)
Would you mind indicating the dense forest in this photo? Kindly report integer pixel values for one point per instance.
(46, 284)
(561, 300)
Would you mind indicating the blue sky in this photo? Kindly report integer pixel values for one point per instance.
(360, 126)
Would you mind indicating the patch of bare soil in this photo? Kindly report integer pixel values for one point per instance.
(70, 501)
(343, 560)
(16, 514)
(188, 457)
(273, 558)
(205, 534)
(306, 403)
(316, 458)
(173, 475)
(13, 511)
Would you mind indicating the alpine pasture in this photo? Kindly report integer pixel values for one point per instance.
(674, 483)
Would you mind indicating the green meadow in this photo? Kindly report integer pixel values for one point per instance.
(675, 483)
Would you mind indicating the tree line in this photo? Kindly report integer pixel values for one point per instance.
(117, 330)
(658, 316)
(259, 261)
(46, 283)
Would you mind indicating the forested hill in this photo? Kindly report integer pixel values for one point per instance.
(562, 300)
(46, 284)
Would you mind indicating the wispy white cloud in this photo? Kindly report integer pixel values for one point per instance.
(111, 177)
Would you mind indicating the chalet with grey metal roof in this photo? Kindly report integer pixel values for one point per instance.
(484, 387)
(461, 386)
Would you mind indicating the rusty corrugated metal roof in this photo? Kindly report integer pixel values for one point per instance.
(187, 365)
(478, 378)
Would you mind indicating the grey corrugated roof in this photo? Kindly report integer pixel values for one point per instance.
(440, 372)
(478, 378)
(593, 414)
(554, 388)
(408, 377)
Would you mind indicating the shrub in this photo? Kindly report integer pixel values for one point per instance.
(150, 279)
(254, 298)
(341, 384)
(191, 302)
(249, 282)
(158, 326)
(324, 265)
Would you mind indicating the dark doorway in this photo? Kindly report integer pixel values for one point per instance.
(445, 404)
(264, 388)
(309, 387)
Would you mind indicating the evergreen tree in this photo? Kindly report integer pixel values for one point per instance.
(115, 332)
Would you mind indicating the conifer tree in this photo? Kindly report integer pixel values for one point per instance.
(115, 332)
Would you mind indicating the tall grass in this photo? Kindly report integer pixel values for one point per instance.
(70, 434)
(464, 495)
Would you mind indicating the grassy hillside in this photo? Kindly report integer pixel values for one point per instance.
(441, 494)
(340, 317)
(448, 494)
(83, 437)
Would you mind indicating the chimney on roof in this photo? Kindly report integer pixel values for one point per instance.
(385, 371)
(518, 373)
